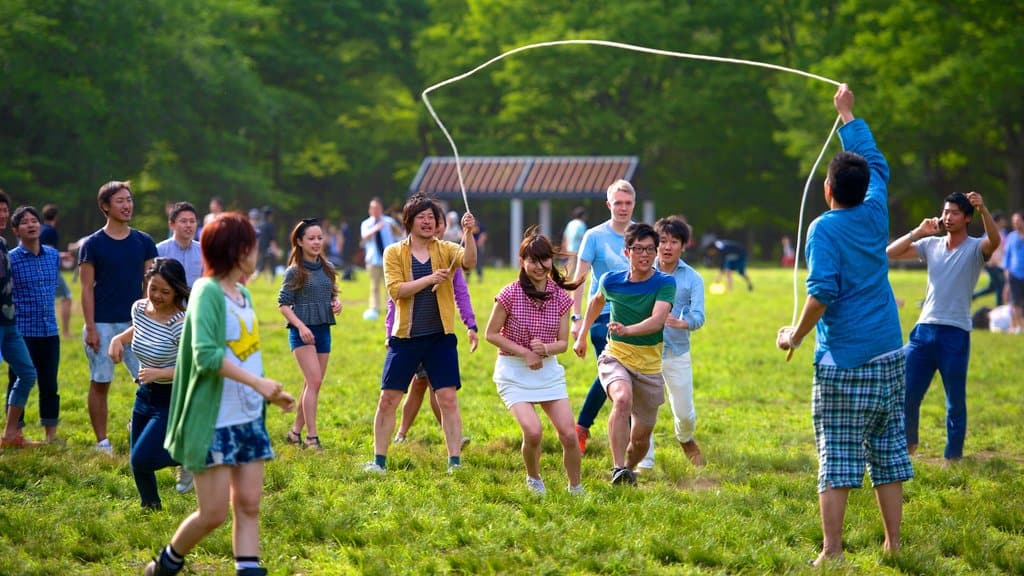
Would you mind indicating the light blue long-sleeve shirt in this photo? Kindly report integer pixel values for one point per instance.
(689, 306)
(848, 270)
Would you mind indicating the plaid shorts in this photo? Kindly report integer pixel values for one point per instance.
(858, 420)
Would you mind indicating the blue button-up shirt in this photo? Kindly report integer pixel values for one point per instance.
(35, 283)
(191, 258)
(688, 305)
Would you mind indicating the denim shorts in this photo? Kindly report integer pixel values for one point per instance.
(63, 292)
(240, 444)
(101, 367)
(321, 334)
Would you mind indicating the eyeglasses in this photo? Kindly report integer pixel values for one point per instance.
(644, 249)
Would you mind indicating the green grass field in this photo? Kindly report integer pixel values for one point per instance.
(752, 510)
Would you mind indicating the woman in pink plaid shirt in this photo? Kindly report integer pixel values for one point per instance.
(530, 326)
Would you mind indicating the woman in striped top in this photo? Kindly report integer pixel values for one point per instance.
(153, 336)
(308, 300)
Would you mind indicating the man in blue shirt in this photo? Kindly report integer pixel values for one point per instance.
(378, 232)
(603, 250)
(687, 315)
(111, 262)
(858, 391)
(48, 236)
(1013, 264)
(35, 269)
(182, 245)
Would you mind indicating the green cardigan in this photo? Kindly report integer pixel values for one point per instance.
(195, 396)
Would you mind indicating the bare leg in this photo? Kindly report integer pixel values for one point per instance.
(11, 426)
(560, 413)
(639, 443)
(246, 490)
(384, 420)
(413, 400)
(890, 504)
(98, 392)
(309, 363)
(65, 316)
(434, 406)
(833, 509)
(451, 419)
(213, 489)
(620, 393)
(529, 423)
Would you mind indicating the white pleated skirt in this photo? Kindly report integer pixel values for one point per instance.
(516, 382)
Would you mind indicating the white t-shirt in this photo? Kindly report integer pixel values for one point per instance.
(952, 276)
(239, 403)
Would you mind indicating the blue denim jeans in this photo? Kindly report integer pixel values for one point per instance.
(45, 354)
(946, 349)
(596, 396)
(149, 427)
(16, 353)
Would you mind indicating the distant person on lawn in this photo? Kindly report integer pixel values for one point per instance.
(941, 340)
(858, 391)
(530, 326)
(216, 427)
(630, 367)
(182, 245)
(378, 232)
(111, 263)
(49, 236)
(424, 325)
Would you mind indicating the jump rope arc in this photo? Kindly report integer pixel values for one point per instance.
(658, 52)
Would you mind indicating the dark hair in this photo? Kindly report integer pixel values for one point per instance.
(536, 246)
(579, 213)
(174, 274)
(295, 258)
(417, 203)
(4, 198)
(848, 175)
(50, 212)
(19, 214)
(675, 227)
(180, 207)
(109, 189)
(960, 199)
(639, 231)
(225, 241)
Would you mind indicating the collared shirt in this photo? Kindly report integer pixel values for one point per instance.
(387, 233)
(191, 257)
(35, 282)
(688, 305)
(526, 318)
(398, 269)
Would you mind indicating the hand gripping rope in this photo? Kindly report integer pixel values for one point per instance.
(635, 48)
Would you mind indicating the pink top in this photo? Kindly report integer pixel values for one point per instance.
(526, 319)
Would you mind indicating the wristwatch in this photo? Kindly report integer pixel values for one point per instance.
(576, 317)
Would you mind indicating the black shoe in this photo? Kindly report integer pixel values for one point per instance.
(155, 568)
(623, 476)
(251, 572)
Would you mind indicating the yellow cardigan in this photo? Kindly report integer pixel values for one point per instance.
(398, 269)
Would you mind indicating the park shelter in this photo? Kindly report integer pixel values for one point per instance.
(518, 178)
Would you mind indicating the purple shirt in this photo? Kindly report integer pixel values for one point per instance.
(461, 300)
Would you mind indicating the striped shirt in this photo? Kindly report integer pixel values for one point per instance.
(426, 315)
(156, 343)
(35, 283)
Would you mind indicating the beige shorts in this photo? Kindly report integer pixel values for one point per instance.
(648, 389)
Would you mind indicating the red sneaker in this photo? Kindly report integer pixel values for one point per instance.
(582, 434)
(19, 442)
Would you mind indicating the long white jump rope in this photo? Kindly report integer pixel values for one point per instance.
(622, 46)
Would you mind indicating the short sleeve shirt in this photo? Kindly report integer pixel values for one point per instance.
(35, 281)
(631, 303)
(527, 318)
(952, 275)
(604, 249)
(119, 268)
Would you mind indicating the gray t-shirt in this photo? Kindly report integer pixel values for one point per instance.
(952, 276)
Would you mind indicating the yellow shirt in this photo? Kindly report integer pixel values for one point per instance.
(398, 269)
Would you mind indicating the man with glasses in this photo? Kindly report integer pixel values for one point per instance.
(629, 369)
(111, 263)
(602, 250)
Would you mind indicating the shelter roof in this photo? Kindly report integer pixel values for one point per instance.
(540, 177)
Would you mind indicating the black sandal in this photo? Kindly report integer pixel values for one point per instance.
(294, 438)
(314, 443)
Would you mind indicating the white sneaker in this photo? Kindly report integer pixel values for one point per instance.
(646, 464)
(185, 481)
(536, 485)
(104, 446)
(399, 438)
(373, 468)
(577, 490)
